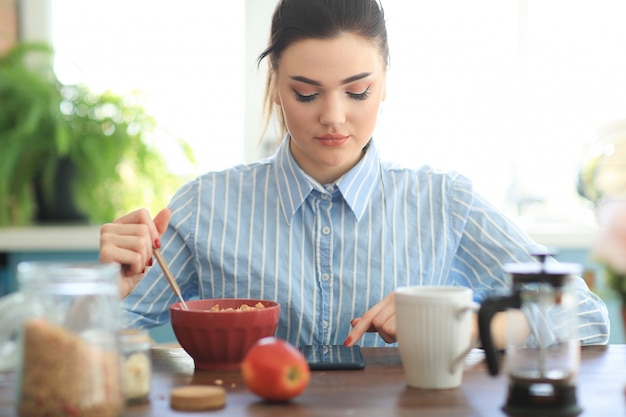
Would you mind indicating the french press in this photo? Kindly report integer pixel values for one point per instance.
(543, 351)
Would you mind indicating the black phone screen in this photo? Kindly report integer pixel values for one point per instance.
(333, 357)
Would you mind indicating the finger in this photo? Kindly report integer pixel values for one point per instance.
(385, 322)
(133, 252)
(150, 229)
(126, 244)
(142, 216)
(138, 217)
(362, 325)
(161, 221)
(130, 236)
(354, 321)
(375, 319)
(387, 330)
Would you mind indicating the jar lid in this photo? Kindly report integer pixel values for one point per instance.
(554, 273)
(134, 339)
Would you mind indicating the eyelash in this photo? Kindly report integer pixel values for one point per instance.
(355, 96)
(304, 99)
(360, 96)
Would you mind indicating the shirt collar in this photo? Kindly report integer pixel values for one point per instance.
(295, 185)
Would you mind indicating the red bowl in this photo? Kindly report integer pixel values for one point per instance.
(219, 340)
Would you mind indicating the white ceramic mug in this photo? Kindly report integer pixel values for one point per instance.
(434, 334)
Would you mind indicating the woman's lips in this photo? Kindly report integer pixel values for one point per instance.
(332, 139)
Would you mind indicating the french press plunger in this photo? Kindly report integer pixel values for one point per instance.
(543, 351)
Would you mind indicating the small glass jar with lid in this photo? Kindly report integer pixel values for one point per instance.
(60, 334)
(136, 365)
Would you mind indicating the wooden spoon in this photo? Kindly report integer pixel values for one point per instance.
(169, 276)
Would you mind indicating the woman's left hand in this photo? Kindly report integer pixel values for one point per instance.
(381, 318)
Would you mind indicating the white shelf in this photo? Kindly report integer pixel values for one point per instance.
(50, 238)
(87, 238)
(563, 236)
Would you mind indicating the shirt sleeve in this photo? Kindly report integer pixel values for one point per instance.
(489, 240)
(148, 304)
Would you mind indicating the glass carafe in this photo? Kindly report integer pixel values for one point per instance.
(543, 350)
(60, 333)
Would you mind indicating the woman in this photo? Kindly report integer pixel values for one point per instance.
(324, 227)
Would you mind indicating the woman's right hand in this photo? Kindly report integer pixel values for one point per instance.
(129, 241)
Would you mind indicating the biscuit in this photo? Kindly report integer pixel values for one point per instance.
(197, 398)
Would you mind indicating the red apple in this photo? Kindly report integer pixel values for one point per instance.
(275, 370)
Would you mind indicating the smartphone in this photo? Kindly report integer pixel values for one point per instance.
(333, 357)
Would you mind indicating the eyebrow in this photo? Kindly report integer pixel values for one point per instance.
(342, 82)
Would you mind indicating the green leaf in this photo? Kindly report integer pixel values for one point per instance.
(106, 136)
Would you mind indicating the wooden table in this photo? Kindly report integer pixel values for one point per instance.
(379, 390)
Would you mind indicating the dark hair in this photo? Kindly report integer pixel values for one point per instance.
(295, 20)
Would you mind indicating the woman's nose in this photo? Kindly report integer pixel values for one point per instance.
(332, 112)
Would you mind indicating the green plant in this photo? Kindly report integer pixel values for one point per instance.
(609, 249)
(107, 138)
(616, 282)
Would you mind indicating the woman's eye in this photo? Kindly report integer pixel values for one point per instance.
(304, 98)
(359, 96)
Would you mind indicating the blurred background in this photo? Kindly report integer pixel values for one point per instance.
(514, 94)
(509, 93)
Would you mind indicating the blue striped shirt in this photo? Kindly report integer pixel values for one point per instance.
(329, 252)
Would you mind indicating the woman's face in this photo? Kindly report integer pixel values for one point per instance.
(330, 91)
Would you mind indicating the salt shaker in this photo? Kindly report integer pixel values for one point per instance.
(136, 365)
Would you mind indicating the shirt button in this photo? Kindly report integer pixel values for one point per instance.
(325, 324)
(330, 188)
(324, 196)
(325, 277)
(326, 230)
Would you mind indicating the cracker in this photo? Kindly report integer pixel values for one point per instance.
(197, 398)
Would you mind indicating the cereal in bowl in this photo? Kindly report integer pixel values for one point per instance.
(243, 307)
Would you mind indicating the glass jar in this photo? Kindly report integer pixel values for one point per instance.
(136, 365)
(61, 326)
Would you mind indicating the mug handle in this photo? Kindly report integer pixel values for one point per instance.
(13, 311)
(458, 361)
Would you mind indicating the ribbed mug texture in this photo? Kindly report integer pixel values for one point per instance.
(433, 333)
